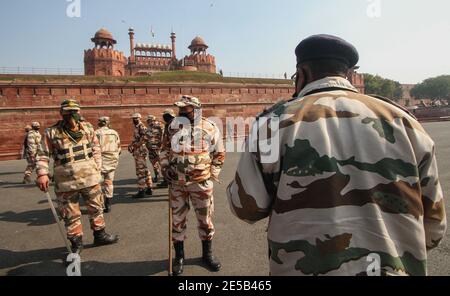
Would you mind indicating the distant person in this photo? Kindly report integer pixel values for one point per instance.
(31, 143)
(168, 116)
(77, 163)
(355, 181)
(139, 151)
(153, 141)
(110, 145)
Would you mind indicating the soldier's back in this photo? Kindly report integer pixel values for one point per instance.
(349, 185)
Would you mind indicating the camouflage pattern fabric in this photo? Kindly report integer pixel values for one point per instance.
(110, 145)
(197, 160)
(69, 209)
(153, 141)
(108, 183)
(32, 142)
(355, 176)
(76, 164)
(140, 156)
(142, 172)
(201, 196)
(76, 172)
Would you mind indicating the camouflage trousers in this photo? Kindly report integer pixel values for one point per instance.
(31, 166)
(142, 172)
(154, 159)
(107, 184)
(201, 196)
(69, 209)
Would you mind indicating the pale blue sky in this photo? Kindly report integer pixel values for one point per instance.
(409, 42)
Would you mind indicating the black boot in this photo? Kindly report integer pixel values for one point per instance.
(155, 178)
(149, 191)
(140, 194)
(212, 263)
(77, 244)
(107, 205)
(179, 258)
(101, 238)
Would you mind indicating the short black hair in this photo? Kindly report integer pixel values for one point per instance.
(327, 67)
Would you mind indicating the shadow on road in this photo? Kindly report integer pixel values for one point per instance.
(50, 262)
(9, 259)
(31, 218)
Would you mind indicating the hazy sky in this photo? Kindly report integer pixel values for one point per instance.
(408, 41)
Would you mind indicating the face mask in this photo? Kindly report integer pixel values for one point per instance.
(185, 114)
(167, 118)
(75, 116)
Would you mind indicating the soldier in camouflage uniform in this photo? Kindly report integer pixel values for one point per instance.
(77, 163)
(168, 116)
(355, 177)
(191, 157)
(139, 151)
(31, 143)
(153, 140)
(110, 145)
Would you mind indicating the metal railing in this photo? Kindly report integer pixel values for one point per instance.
(256, 75)
(41, 71)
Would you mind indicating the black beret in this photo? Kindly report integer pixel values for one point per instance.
(323, 46)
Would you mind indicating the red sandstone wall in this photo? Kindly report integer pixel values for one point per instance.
(20, 104)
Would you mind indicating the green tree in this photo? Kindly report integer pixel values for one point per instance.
(378, 85)
(433, 88)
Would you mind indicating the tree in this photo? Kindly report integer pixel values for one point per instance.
(433, 88)
(378, 85)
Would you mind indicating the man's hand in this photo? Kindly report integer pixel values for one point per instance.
(43, 182)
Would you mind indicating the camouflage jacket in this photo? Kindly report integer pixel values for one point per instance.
(31, 144)
(139, 137)
(110, 145)
(153, 136)
(76, 164)
(355, 177)
(194, 154)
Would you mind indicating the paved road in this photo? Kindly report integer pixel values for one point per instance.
(31, 245)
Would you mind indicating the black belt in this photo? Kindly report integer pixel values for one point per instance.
(74, 149)
(76, 158)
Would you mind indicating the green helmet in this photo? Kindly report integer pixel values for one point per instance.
(70, 105)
